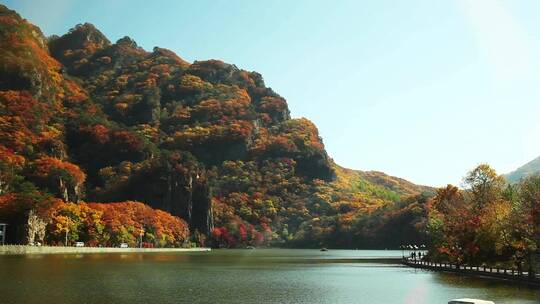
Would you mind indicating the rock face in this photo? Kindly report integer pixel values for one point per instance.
(202, 219)
(169, 185)
(83, 41)
(211, 110)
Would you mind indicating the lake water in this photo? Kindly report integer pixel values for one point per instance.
(239, 276)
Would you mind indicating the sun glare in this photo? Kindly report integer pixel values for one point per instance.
(501, 39)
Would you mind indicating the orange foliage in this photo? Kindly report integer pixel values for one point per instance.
(46, 166)
(131, 217)
(21, 117)
(9, 157)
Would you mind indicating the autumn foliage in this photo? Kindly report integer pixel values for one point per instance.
(115, 223)
(488, 222)
(86, 119)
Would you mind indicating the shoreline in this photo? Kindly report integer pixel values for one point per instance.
(25, 249)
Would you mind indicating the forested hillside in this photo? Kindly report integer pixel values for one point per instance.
(211, 153)
(530, 168)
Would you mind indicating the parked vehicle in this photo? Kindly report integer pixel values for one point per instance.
(79, 244)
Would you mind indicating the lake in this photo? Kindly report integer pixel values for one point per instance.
(239, 276)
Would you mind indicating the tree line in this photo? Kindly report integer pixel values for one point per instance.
(486, 222)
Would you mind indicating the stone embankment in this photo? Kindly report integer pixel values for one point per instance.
(25, 249)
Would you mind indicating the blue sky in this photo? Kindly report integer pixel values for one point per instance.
(420, 89)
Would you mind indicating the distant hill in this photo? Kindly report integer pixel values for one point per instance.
(532, 167)
(203, 144)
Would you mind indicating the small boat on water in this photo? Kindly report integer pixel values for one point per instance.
(469, 301)
(324, 249)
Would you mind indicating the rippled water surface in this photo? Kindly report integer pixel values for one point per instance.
(239, 276)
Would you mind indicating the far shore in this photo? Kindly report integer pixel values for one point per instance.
(26, 249)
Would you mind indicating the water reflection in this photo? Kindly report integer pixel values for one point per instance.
(493, 288)
(238, 276)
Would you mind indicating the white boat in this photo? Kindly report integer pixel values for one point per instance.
(470, 301)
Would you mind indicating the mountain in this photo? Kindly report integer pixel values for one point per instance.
(163, 144)
(530, 168)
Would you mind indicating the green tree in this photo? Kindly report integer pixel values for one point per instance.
(485, 186)
(526, 218)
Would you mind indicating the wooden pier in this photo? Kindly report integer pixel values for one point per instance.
(478, 271)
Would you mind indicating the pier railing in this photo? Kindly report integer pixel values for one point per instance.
(486, 271)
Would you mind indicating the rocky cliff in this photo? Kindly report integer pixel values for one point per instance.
(205, 141)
